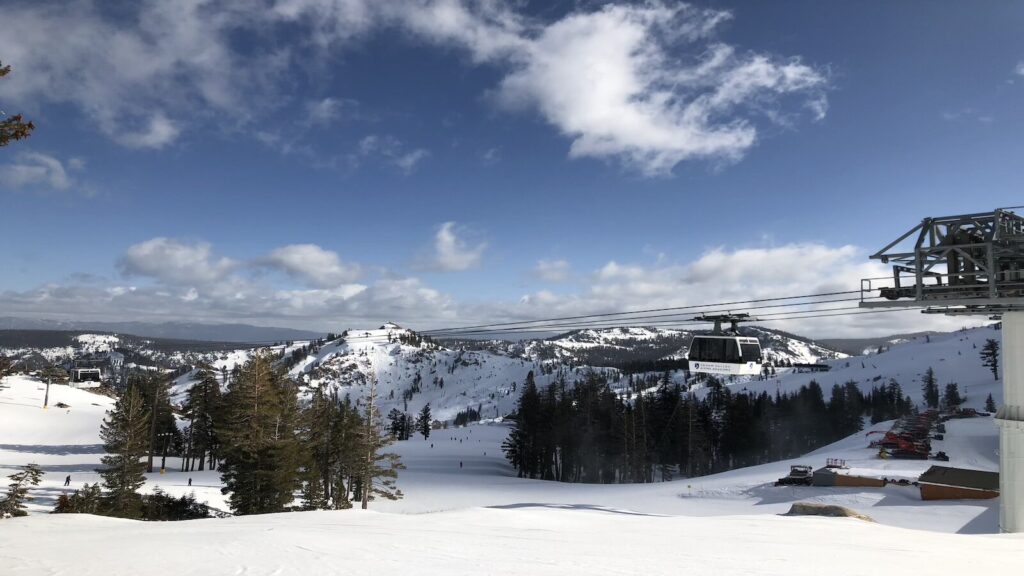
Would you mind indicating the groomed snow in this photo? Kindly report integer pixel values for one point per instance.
(480, 518)
(517, 541)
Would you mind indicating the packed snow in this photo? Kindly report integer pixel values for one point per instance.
(465, 510)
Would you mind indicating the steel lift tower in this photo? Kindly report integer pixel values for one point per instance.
(971, 264)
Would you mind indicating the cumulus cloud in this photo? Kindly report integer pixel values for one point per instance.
(645, 84)
(187, 281)
(157, 131)
(139, 71)
(452, 253)
(322, 268)
(175, 262)
(731, 275)
(608, 80)
(552, 270)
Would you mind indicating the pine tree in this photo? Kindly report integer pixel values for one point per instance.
(951, 398)
(12, 127)
(930, 388)
(5, 365)
(163, 428)
(346, 431)
(990, 356)
(423, 421)
(378, 472)
(86, 500)
(202, 405)
(990, 404)
(261, 452)
(17, 490)
(125, 439)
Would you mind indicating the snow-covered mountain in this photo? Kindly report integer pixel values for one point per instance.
(616, 346)
(410, 371)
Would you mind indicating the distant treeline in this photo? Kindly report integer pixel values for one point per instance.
(586, 432)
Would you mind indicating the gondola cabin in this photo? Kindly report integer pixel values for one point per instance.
(731, 355)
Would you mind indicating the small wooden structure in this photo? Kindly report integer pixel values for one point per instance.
(946, 483)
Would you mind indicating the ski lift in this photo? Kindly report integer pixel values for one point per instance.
(728, 354)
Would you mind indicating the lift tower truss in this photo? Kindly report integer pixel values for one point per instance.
(971, 264)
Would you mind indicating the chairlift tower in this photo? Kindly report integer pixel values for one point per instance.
(971, 264)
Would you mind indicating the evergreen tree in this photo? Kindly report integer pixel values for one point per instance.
(261, 452)
(163, 428)
(990, 404)
(6, 365)
(12, 127)
(86, 500)
(315, 432)
(346, 430)
(930, 388)
(423, 421)
(378, 472)
(951, 398)
(396, 424)
(202, 406)
(990, 356)
(125, 440)
(17, 491)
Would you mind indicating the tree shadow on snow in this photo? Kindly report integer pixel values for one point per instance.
(589, 507)
(86, 467)
(54, 449)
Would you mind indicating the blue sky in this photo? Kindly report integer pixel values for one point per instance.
(322, 163)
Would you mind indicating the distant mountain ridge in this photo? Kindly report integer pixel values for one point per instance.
(614, 347)
(242, 333)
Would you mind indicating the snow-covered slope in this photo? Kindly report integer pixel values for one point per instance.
(953, 356)
(614, 346)
(553, 541)
(411, 373)
(466, 511)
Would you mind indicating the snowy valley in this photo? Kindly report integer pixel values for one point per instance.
(458, 481)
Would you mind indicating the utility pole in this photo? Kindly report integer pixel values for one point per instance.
(46, 398)
(163, 460)
(689, 435)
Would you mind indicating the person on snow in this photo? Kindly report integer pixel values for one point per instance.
(67, 481)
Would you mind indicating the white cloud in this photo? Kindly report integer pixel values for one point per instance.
(645, 84)
(407, 162)
(966, 114)
(326, 111)
(158, 131)
(723, 275)
(608, 80)
(323, 268)
(34, 169)
(453, 254)
(391, 150)
(490, 156)
(186, 281)
(175, 262)
(1019, 70)
(139, 72)
(552, 270)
